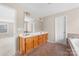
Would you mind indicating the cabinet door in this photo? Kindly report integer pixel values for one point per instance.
(29, 44)
(22, 45)
(44, 39)
(35, 38)
(40, 41)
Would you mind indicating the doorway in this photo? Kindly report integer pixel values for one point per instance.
(60, 29)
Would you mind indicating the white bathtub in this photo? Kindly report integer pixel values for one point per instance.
(74, 43)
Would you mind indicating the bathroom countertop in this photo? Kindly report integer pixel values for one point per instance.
(24, 35)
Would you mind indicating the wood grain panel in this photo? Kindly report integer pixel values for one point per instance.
(29, 44)
(35, 38)
(22, 45)
(40, 39)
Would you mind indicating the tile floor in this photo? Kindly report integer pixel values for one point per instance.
(51, 49)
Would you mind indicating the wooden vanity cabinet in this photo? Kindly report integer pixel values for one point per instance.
(22, 45)
(35, 41)
(29, 44)
(26, 44)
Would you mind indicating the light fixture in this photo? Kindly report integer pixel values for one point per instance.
(27, 13)
(49, 3)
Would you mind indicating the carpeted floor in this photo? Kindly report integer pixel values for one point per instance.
(51, 49)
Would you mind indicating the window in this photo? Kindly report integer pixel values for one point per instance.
(3, 28)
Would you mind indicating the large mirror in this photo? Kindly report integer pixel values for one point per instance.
(28, 23)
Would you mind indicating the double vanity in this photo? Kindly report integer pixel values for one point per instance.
(29, 41)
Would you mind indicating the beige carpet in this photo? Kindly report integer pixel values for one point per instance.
(50, 49)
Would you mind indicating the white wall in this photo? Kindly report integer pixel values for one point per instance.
(72, 22)
(7, 15)
(7, 46)
(38, 25)
(19, 22)
(20, 19)
(7, 40)
(6, 12)
(19, 16)
(48, 26)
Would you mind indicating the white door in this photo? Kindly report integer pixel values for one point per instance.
(60, 29)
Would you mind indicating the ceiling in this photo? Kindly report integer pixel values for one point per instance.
(45, 9)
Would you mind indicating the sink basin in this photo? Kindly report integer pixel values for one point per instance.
(25, 34)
